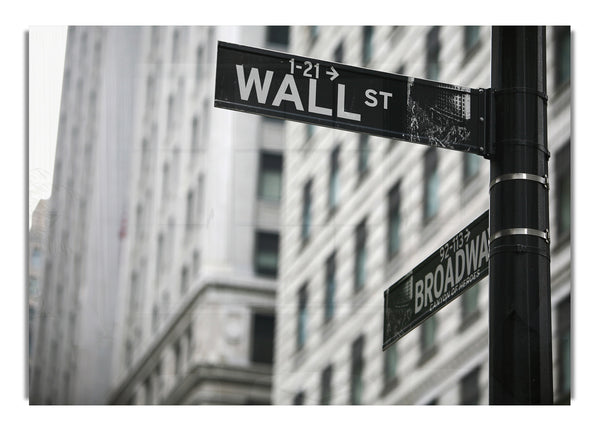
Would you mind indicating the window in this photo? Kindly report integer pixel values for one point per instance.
(199, 64)
(427, 339)
(170, 112)
(269, 183)
(310, 131)
(134, 295)
(196, 262)
(159, 381)
(562, 53)
(154, 318)
(165, 182)
(306, 210)
(363, 155)
(263, 330)
(266, 254)
(36, 258)
(195, 135)
(326, 375)
(278, 34)
(562, 170)
(33, 286)
(185, 280)
(302, 317)
(390, 367)
(469, 304)
(360, 256)
(433, 54)
(564, 351)
(471, 38)
(334, 178)
(330, 287)
(471, 163)
(314, 33)
(128, 354)
(367, 44)
(177, 357)
(190, 341)
(431, 199)
(469, 388)
(338, 54)
(159, 256)
(189, 211)
(356, 383)
(393, 231)
(175, 48)
(299, 399)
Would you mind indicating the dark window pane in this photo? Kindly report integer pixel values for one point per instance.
(390, 363)
(356, 382)
(469, 301)
(428, 329)
(393, 234)
(326, 385)
(330, 288)
(367, 47)
(433, 53)
(338, 54)
(302, 317)
(360, 261)
(471, 163)
(363, 154)
(306, 204)
(469, 388)
(269, 187)
(263, 331)
(431, 199)
(471, 34)
(278, 34)
(334, 178)
(266, 254)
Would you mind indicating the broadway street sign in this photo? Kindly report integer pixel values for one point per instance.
(349, 98)
(435, 282)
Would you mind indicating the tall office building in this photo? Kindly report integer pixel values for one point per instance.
(200, 256)
(37, 244)
(359, 212)
(73, 329)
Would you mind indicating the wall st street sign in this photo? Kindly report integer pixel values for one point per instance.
(350, 98)
(443, 276)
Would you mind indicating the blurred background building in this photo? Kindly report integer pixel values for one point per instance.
(186, 263)
(74, 328)
(200, 260)
(37, 247)
(359, 212)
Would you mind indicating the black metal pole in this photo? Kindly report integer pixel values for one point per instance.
(520, 344)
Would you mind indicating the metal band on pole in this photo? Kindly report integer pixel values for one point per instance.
(520, 176)
(521, 231)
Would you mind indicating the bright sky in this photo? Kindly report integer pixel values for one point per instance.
(46, 60)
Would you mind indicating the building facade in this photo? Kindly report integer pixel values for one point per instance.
(37, 245)
(200, 256)
(359, 212)
(73, 329)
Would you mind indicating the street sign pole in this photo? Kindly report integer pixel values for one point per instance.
(520, 344)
